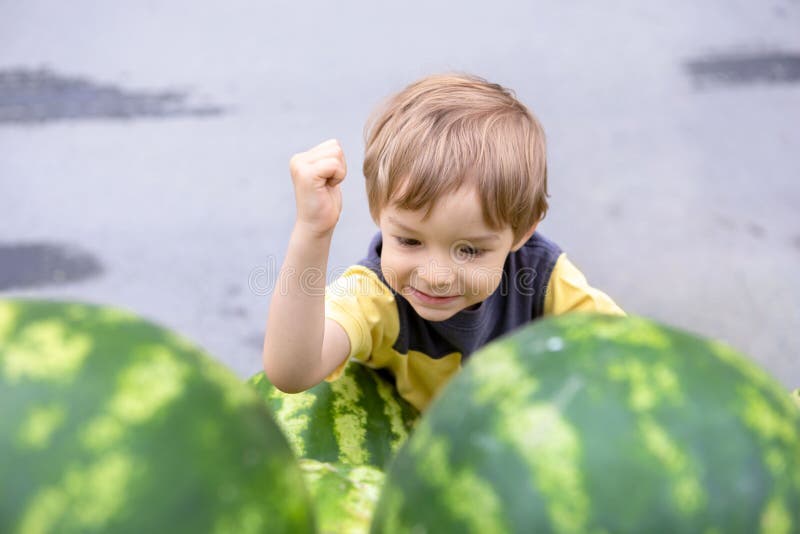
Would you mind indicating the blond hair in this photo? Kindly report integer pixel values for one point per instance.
(446, 131)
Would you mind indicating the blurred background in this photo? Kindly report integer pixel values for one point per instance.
(144, 149)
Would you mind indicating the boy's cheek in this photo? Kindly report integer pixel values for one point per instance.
(391, 275)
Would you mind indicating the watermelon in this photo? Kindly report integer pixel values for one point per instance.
(344, 495)
(358, 419)
(344, 432)
(590, 423)
(109, 423)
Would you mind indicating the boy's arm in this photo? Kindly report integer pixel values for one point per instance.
(300, 346)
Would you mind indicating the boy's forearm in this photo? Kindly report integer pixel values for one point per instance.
(296, 321)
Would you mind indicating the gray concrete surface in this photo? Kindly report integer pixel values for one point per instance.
(144, 149)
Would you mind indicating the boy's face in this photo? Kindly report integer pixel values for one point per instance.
(449, 262)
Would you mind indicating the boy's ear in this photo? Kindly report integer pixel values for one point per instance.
(524, 239)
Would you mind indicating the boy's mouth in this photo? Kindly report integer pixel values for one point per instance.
(433, 299)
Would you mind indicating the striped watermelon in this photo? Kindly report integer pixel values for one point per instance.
(344, 496)
(358, 419)
(345, 432)
(587, 423)
(111, 424)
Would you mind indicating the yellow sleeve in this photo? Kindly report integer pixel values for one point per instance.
(568, 290)
(366, 310)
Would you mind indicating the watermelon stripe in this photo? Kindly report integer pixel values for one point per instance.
(321, 442)
(101, 433)
(8, 319)
(762, 417)
(349, 424)
(344, 496)
(554, 461)
(631, 332)
(378, 451)
(687, 490)
(751, 373)
(393, 412)
(776, 518)
(498, 369)
(40, 424)
(154, 379)
(293, 420)
(775, 433)
(137, 398)
(458, 490)
(86, 498)
(652, 384)
(47, 351)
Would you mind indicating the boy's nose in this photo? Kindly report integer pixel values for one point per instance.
(440, 278)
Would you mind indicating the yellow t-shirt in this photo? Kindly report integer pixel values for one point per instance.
(385, 332)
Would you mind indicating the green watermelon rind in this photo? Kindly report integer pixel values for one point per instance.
(111, 423)
(357, 419)
(344, 496)
(522, 431)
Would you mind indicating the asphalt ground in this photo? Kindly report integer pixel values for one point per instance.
(144, 149)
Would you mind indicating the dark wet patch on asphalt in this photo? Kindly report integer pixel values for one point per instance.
(743, 69)
(614, 211)
(726, 222)
(233, 290)
(28, 265)
(756, 230)
(753, 229)
(37, 96)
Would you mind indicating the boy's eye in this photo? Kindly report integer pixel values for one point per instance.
(463, 252)
(469, 252)
(405, 242)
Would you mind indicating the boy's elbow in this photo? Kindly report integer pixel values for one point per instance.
(288, 387)
(280, 381)
(285, 382)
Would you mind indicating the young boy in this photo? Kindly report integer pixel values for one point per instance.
(457, 182)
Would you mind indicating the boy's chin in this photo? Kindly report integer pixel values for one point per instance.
(436, 315)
